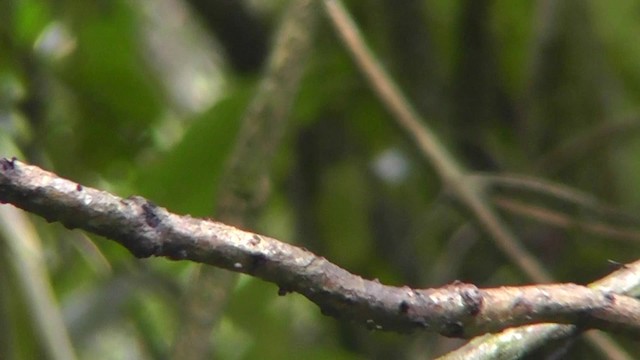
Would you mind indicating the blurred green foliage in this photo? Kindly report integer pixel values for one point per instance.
(510, 86)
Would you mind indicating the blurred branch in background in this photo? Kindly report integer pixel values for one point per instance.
(586, 143)
(22, 253)
(139, 97)
(183, 54)
(452, 174)
(578, 209)
(448, 169)
(245, 185)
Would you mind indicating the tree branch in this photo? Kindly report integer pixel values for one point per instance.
(457, 310)
(453, 175)
(244, 186)
(533, 337)
(450, 172)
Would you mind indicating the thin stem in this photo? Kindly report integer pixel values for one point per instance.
(450, 172)
(244, 186)
(559, 219)
(24, 254)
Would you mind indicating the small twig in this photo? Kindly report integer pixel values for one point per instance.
(555, 191)
(562, 192)
(559, 219)
(538, 185)
(456, 310)
(592, 140)
(530, 338)
(449, 171)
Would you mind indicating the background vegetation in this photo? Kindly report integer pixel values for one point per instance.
(146, 98)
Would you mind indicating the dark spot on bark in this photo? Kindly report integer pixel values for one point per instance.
(178, 255)
(173, 250)
(141, 248)
(150, 215)
(521, 306)
(610, 297)
(453, 329)
(327, 311)
(282, 291)
(8, 164)
(78, 187)
(257, 261)
(348, 301)
(404, 307)
(472, 300)
(255, 240)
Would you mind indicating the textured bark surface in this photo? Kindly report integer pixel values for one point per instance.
(456, 310)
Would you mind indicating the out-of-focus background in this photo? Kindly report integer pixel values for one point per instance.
(141, 97)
